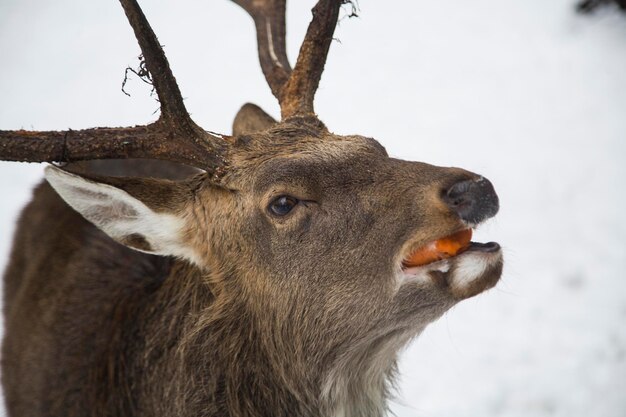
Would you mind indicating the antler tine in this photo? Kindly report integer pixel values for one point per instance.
(174, 137)
(295, 90)
(269, 21)
(299, 92)
(184, 131)
(170, 98)
(151, 141)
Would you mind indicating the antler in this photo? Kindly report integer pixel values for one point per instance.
(295, 90)
(269, 20)
(174, 137)
(154, 141)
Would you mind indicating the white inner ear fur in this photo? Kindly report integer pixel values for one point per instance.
(121, 215)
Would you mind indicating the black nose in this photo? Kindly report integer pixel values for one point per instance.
(473, 200)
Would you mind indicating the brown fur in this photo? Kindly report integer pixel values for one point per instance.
(294, 316)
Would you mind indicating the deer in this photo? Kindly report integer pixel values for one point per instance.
(589, 6)
(167, 270)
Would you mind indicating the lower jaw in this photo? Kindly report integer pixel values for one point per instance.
(474, 247)
(467, 266)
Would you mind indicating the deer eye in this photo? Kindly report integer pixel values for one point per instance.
(282, 205)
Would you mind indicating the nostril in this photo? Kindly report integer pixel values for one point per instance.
(458, 190)
(456, 195)
(473, 200)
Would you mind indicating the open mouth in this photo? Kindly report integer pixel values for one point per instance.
(447, 247)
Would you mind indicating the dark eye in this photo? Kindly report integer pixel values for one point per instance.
(282, 205)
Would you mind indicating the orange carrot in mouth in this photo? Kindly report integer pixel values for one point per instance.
(440, 249)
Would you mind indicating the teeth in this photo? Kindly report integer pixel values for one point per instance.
(423, 273)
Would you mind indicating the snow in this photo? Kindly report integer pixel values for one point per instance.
(527, 93)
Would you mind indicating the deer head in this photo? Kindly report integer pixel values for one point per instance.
(301, 229)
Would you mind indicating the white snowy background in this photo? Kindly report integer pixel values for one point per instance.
(525, 92)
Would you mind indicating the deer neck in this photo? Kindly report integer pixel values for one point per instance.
(254, 364)
(360, 380)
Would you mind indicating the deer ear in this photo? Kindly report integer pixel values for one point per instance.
(145, 225)
(250, 119)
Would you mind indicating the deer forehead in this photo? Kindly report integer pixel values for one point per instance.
(261, 163)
